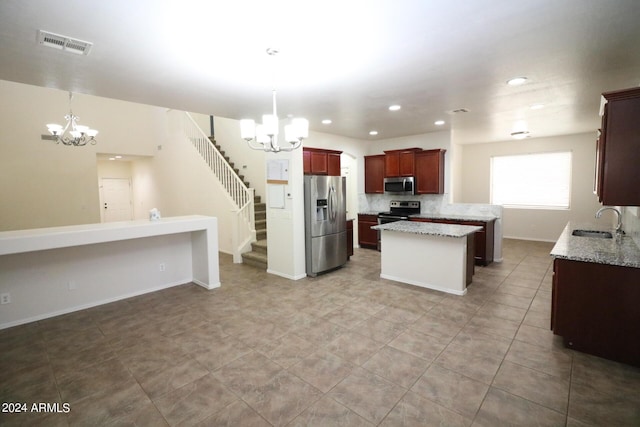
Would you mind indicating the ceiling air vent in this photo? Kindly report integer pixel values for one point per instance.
(64, 43)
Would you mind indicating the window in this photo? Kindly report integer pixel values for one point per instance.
(540, 180)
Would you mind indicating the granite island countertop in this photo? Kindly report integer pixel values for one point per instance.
(624, 253)
(428, 228)
(456, 217)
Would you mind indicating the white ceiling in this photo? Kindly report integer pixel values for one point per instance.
(346, 60)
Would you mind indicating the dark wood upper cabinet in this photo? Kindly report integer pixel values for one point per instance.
(429, 166)
(333, 164)
(374, 174)
(317, 161)
(618, 150)
(400, 162)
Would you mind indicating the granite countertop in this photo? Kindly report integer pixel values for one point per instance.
(451, 216)
(454, 216)
(428, 228)
(368, 213)
(624, 253)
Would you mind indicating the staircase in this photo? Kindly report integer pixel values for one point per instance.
(257, 257)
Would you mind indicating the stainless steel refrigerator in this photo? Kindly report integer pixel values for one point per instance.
(325, 223)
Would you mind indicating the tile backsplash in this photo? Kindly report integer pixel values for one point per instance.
(428, 204)
(631, 222)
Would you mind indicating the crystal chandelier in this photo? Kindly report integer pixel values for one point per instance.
(72, 133)
(264, 136)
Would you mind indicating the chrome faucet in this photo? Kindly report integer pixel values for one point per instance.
(619, 226)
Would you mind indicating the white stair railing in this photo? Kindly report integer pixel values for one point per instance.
(243, 218)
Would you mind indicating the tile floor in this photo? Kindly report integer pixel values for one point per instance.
(343, 349)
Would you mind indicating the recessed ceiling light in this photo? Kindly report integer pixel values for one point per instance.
(394, 107)
(112, 158)
(326, 122)
(516, 81)
(520, 134)
(536, 106)
(118, 157)
(438, 122)
(373, 132)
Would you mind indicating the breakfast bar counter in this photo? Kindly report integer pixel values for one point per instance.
(46, 272)
(430, 255)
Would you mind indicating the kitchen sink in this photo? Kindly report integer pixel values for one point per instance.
(593, 233)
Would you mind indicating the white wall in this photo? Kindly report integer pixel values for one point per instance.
(249, 162)
(184, 184)
(43, 184)
(533, 224)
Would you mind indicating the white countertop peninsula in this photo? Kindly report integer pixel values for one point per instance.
(430, 255)
(56, 270)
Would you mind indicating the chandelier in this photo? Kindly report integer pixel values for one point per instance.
(264, 136)
(73, 133)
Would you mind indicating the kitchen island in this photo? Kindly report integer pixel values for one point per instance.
(430, 255)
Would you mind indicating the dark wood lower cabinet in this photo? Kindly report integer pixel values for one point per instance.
(596, 309)
(367, 238)
(483, 239)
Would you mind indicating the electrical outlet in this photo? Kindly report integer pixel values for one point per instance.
(163, 266)
(5, 298)
(73, 285)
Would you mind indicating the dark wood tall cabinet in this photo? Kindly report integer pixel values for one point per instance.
(374, 174)
(430, 171)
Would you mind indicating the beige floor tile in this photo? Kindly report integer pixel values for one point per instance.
(109, 375)
(396, 366)
(544, 389)
(367, 394)
(420, 345)
(247, 373)
(160, 383)
(477, 366)
(220, 352)
(322, 369)
(287, 350)
(590, 406)
(433, 325)
(194, 401)
(347, 317)
(451, 390)
(110, 405)
(541, 337)
(501, 408)
(203, 352)
(327, 412)
(354, 347)
(282, 398)
(379, 330)
(414, 410)
(552, 362)
(237, 413)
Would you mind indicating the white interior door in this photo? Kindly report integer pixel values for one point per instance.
(116, 199)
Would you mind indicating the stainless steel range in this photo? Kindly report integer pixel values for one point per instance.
(399, 210)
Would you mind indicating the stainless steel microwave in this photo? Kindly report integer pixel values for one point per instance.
(401, 185)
